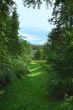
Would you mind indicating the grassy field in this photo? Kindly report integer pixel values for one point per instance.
(29, 93)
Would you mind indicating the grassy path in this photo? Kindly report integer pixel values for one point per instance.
(29, 93)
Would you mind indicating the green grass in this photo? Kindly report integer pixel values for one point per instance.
(29, 93)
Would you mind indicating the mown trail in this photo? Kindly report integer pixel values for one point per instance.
(29, 93)
(36, 90)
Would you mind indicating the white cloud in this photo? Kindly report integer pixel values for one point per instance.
(33, 39)
(30, 37)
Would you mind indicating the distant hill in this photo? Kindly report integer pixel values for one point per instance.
(36, 47)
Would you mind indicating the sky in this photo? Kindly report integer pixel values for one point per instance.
(34, 25)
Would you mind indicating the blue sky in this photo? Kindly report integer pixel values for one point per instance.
(34, 26)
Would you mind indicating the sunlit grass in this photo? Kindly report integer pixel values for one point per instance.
(35, 69)
(34, 75)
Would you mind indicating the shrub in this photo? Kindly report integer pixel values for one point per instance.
(70, 88)
(20, 68)
(57, 89)
(4, 74)
(68, 104)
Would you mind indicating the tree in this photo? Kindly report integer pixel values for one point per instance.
(60, 53)
(5, 6)
(9, 40)
(38, 55)
(13, 43)
(20, 65)
(35, 3)
(63, 20)
(26, 51)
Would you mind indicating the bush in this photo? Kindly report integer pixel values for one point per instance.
(4, 74)
(70, 88)
(20, 68)
(57, 89)
(60, 89)
(68, 104)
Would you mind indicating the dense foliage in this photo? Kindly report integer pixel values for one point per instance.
(14, 52)
(59, 49)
